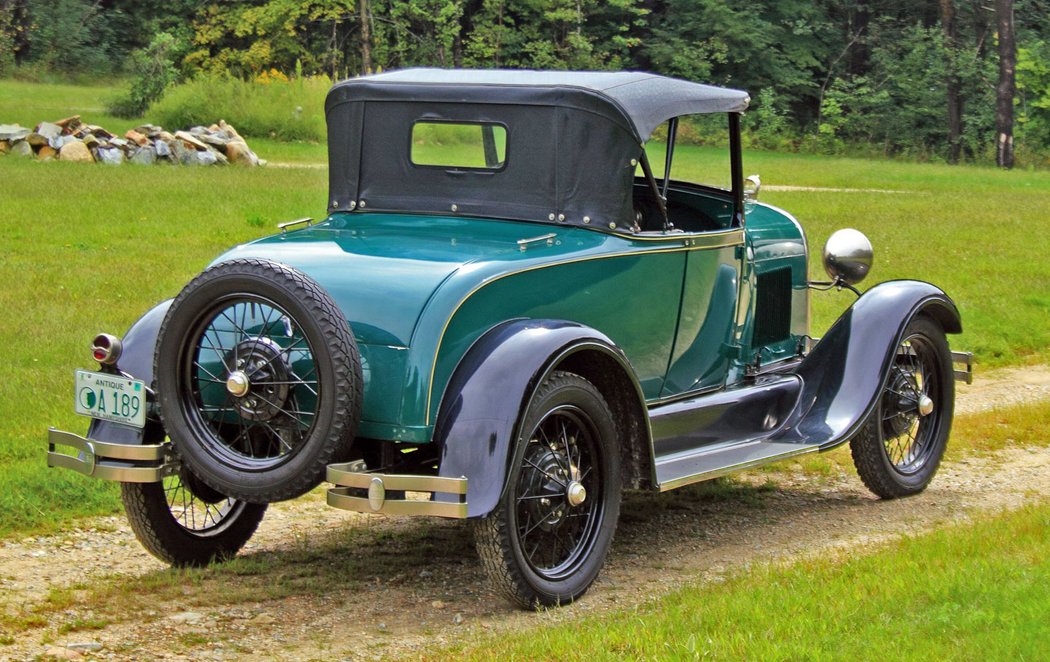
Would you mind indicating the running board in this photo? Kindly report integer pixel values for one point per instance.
(684, 468)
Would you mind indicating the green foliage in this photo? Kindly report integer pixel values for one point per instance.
(1033, 86)
(556, 34)
(69, 36)
(12, 33)
(288, 109)
(248, 38)
(900, 106)
(152, 71)
(417, 33)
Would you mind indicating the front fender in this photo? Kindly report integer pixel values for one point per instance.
(136, 359)
(477, 424)
(847, 370)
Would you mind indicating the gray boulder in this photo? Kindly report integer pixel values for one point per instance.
(13, 132)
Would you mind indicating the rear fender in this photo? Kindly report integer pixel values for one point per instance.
(477, 424)
(847, 370)
(136, 360)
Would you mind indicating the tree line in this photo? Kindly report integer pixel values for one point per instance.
(948, 79)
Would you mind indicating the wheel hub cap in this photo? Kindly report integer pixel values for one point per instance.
(925, 405)
(576, 494)
(238, 384)
(259, 380)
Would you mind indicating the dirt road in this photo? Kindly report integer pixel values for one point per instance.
(317, 583)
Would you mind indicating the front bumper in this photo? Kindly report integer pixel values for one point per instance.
(146, 463)
(365, 492)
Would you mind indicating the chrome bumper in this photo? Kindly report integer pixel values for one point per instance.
(352, 486)
(964, 360)
(147, 463)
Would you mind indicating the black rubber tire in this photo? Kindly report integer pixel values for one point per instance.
(335, 358)
(160, 532)
(881, 474)
(497, 536)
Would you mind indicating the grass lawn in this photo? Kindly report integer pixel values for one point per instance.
(969, 592)
(89, 249)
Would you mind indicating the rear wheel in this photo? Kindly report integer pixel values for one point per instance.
(185, 523)
(900, 446)
(547, 539)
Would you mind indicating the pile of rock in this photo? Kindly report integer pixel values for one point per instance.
(72, 140)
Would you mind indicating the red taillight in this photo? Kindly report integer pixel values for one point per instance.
(106, 349)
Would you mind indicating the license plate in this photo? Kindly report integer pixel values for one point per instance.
(111, 398)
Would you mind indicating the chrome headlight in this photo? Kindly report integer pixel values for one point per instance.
(848, 256)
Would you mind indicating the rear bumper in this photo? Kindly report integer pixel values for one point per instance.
(963, 360)
(365, 492)
(146, 463)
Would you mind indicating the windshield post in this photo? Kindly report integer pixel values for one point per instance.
(737, 165)
(672, 132)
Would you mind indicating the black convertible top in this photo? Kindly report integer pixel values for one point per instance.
(573, 140)
(646, 100)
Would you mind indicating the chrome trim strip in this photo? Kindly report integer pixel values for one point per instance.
(96, 458)
(740, 466)
(379, 485)
(966, 359)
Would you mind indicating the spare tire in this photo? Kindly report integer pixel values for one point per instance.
(258, 379)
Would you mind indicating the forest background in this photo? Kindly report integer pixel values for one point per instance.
(948, 80)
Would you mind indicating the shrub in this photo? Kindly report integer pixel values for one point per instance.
(152, 71)
(290, 109)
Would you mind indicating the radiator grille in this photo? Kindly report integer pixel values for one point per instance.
(773, 307)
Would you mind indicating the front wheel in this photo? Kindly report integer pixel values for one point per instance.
(900, 446)
(184, 522)
(547, 539)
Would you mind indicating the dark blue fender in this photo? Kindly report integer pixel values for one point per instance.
(845, 373)
(477, 424)
(136, 360)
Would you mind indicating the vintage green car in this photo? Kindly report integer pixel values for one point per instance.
(510, 316)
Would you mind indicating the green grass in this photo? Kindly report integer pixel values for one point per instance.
(968, 592)
(30, 103)
(88, 249)
(283, 109)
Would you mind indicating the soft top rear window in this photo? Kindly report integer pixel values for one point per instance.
(467, 145)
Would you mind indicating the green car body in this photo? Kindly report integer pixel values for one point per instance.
(418, 291)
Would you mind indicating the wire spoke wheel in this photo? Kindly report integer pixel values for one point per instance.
(546, 541)
(252, 377)
(195, 513)
(259, 380)
(185, 523)
(900, 446)
(907, 433)
(556, 531)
